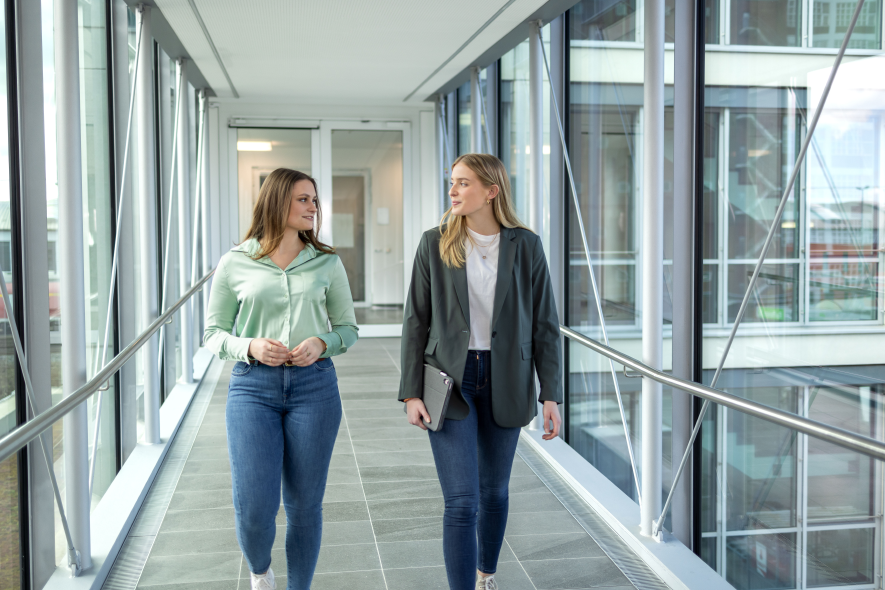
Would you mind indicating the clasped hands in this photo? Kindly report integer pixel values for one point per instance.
(274, 353)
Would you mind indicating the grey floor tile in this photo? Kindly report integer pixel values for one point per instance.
(394, 459)
(397, 433)
(368, 404)
(179, 569)
(344, 492)
(542, 501)
(208, 467)
(392, 445)
(361, 580)
(210, 440)
(333, 558)
(345, 511)
(355, 391)
(510, 575)
(343, 475)
(215, 585)
(216, 453)
(198, 520)
(533, 523)
(190, 542)
(520, 469)
(215, 481)
(411, 473)
(574, 574)
(360, 423)
(406, 508)
(405, 554)
(386, 412)
(393, 490)
(408, 529)
(200, 500)
(425, 578)
(522, 485)
(554, 546)
(342, 460)
(346, 533)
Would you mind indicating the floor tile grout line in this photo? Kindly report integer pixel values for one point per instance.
(240, 571)
(366, 499)
(393, 360)
(531, 581)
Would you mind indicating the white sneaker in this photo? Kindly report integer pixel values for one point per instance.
(266, 582)
(486, 583)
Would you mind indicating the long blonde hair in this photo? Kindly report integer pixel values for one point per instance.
(272, 210)
(453, 228)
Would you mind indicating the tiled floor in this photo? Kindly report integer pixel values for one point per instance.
(382, 512)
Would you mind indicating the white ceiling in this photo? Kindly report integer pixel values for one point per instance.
(339, 51)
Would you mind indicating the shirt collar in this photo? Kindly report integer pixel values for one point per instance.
(251, 246)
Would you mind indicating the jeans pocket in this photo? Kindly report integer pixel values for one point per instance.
(240, 369)
(324, 365)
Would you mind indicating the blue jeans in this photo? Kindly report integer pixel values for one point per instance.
(473, 460)
(281, 426)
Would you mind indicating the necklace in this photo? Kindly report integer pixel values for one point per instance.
(487, 247)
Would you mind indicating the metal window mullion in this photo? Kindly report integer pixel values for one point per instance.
(723, 193)
(184, 230)
(802, 495)
(636, 218)
(807, 8)
(722, 489)
(725, 22)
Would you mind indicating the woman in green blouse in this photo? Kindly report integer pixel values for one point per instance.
(273, 300)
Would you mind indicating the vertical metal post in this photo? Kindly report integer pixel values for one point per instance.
(475, 112)
(491, 107)
(72, 290)
(652, 262)
(184, 227)
(684, 236)
(203, 196)
(27, 161)
(147, 214)
(536, 130)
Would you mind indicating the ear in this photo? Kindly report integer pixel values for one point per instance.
(493, 192)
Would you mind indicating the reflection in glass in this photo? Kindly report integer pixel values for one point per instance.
(617, 289)
(839, 558)
(759, 562)
(830, 20)
(775, 297)
(766, 22)
(762, 465)
(841, 289)
(464, 119)
(601, 20)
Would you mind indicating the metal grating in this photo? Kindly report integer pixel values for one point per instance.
(129, 564)
(639, 574)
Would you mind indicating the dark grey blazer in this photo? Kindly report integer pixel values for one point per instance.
(525, 328)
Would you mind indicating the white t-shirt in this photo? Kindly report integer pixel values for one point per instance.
(482, 277)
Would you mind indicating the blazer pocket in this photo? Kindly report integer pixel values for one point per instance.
(431, 346)
(526, 350)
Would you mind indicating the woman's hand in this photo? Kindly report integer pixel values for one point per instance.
(417, 413)
(551, 414)
(268, 351)
(308, 352)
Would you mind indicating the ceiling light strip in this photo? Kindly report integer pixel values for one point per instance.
(214, 49)
(459, 50)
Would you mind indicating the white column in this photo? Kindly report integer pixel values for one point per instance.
(536, 130)
(652, 261)
(184, 228)
(202, 197)
(147, 214)
(475, 112)
(72, 290)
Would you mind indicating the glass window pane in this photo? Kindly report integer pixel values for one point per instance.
(766, 22)
(601, 20)
(617, 289)
(464, 119)
(839, 558)
(710, 301)
(842, 290)
(775, 297)
(830, 20)
(761, 476)
(514, 123)
(760, 562)
(762, 149)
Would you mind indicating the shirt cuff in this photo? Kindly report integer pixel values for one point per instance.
(240, 351)
(333, 344)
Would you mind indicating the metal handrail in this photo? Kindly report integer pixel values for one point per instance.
(838, 436)
(30, 430)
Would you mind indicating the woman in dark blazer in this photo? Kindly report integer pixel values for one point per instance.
(480, 307)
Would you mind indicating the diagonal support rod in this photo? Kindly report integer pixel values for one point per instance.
(73, 554)
(750, 288)
(100, 360)
(580, 218)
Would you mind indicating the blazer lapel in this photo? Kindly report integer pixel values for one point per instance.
(459, 277)
(506, 256)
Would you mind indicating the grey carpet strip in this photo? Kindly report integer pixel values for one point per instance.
(636, 570)
(129, 564)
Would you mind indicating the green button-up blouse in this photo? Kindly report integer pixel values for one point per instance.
(263, 301)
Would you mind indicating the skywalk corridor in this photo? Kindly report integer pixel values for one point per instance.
(373, 539)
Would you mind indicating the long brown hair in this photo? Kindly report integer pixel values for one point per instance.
(272, 210)
(453, 228)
